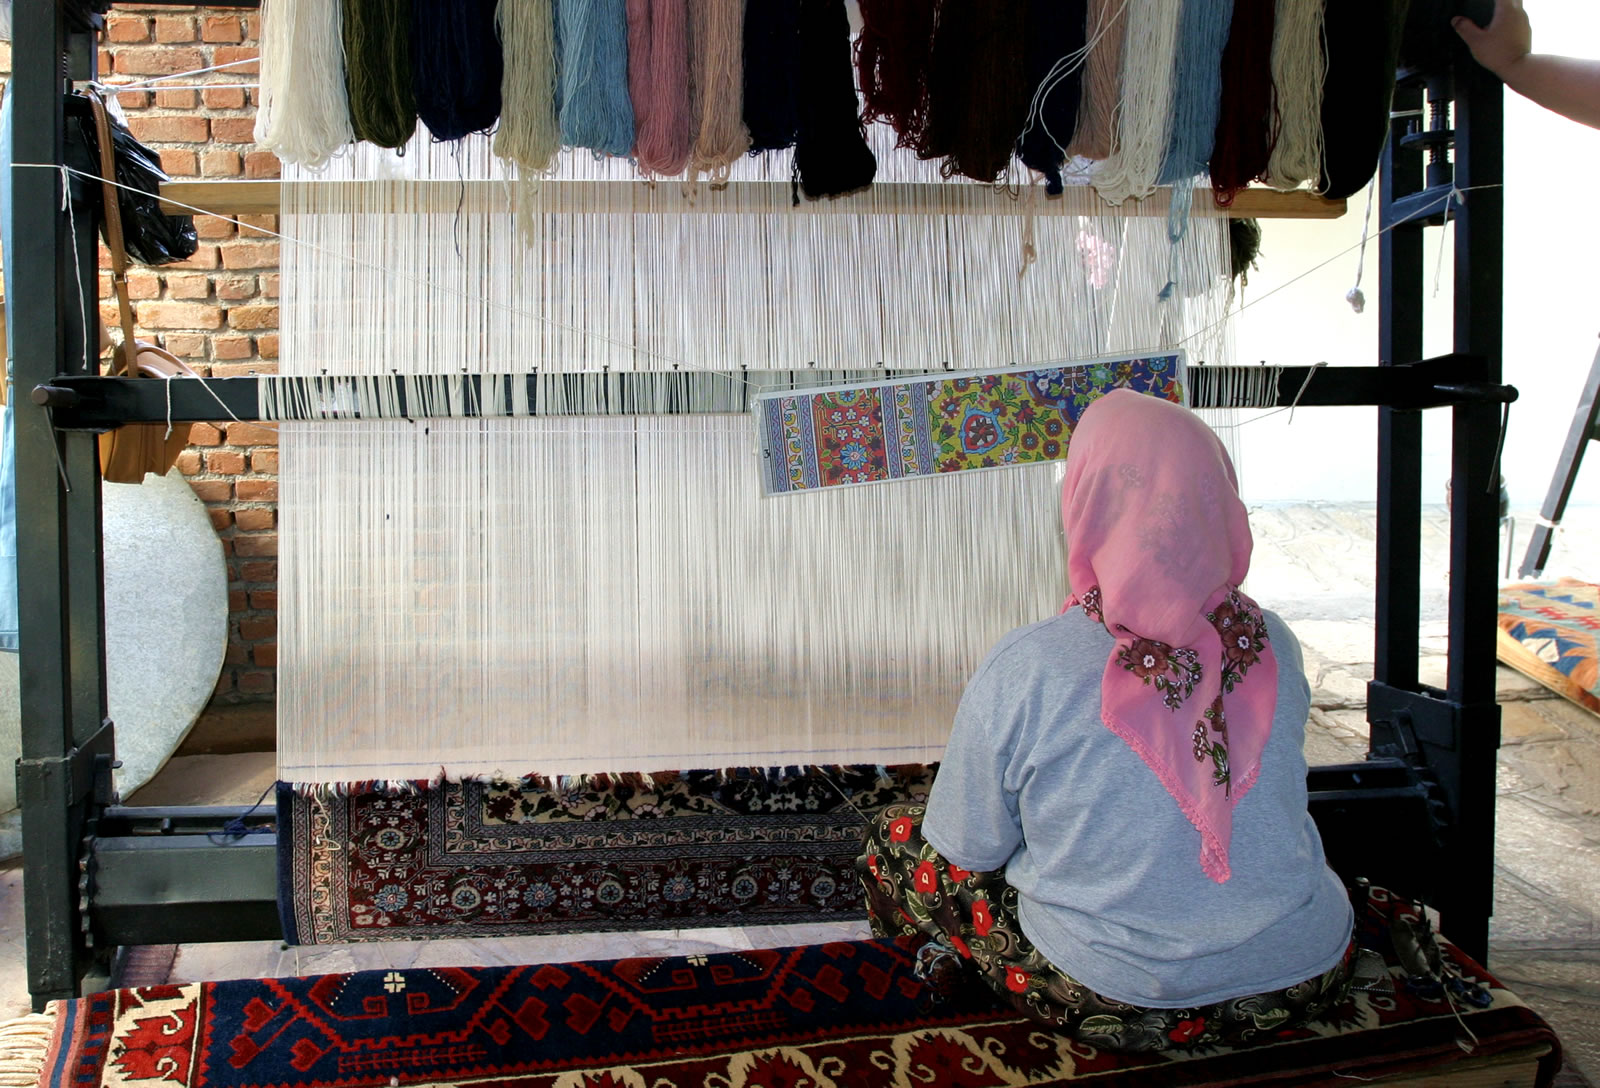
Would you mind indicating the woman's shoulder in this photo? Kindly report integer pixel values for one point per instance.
(1066, 637)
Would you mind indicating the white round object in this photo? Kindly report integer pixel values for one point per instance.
(166, 600)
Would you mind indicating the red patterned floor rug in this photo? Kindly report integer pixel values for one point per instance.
(473, 859)
(845, 1015)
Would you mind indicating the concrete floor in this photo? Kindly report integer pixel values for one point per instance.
(1314, 565)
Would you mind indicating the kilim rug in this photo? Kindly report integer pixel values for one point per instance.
(1550, 632)
(893, 430)
(472, 859)
(845, 1015)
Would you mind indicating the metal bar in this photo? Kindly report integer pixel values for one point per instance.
(1579, 436)
(178, 889)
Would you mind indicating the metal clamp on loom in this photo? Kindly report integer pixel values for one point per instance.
(1477, 392)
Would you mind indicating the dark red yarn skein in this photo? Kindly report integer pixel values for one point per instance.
(1247, 124)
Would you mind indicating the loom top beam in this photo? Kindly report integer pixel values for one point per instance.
(234, 198)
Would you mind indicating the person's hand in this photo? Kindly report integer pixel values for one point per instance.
(1505, 41)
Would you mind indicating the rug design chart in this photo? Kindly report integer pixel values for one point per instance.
(829, 1016)
(895, 430)
(473, 859)
(1551, 632)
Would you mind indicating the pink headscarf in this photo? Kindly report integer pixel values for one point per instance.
(1157, 544)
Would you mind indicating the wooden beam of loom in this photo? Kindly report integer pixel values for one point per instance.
(234, 198)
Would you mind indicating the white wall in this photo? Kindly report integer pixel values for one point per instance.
(1552, 318)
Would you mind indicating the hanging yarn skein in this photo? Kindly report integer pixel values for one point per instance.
(1056, 36)
(595, 110)
(1102, 79)
(377, 77)
(716, 61)
(978, 95)
(1144, 118)
(893, 53)
(1363, 48)
(831, 155)
(771, 73)
(528, 134)
(1299, 67)
(304, 116)
(1196, 88)
(658, 84)
(1246, 120)
(456, 66)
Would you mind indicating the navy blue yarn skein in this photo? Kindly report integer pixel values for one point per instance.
(1056, 31)
(456, 66)
(1363, 48)
(831, 155)
(771, 73)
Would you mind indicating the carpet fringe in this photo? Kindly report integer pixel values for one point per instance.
(24, 1046)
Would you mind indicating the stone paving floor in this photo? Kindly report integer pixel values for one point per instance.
(1314, 565)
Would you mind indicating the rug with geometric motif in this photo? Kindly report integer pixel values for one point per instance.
(842, 1015)
(1550, 632)
(621, 852)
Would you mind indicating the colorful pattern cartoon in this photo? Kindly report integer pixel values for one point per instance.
(942, 423)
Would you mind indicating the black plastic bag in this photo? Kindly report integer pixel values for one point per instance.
(149, 234)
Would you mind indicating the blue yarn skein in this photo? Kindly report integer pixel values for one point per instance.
(1196, 88)
(592, 43)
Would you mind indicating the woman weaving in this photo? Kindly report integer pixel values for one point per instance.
(1117, 840)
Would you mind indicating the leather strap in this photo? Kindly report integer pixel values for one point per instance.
(129, 351)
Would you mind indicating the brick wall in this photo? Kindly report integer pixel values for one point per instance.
(217, 311)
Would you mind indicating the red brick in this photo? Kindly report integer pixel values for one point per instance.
(264, 599)
(210, 490)
(265, 654)
(269, 286)
(255, 518)
(170, 129)
(264, 461)
(221, 164)
(251, 28)
(204, 257)
(158, 60)
(221, 28)
(259, 571)
(110, 316)
(175, 28)
(213, 228)
(179, 162)
(252, 317)
(254, 545)
(225, 462)
(227, 54)
(223, 98)
(236, 600)
(236, 655)
(267, 346)
(127, 28)
(220, 519)
(268, 225)
(235, 370)
(177, 100)
(236, 288)
(180, 315)
(189, 285)
(234, 130)
(189, 463)
(243, 254)
(256, 682)
(205, 434)
(260, 164)
(185, 345)
(134, 100)
(251, 434)
(231, 347)
(256, 629)
(256, 491)
(142, 284)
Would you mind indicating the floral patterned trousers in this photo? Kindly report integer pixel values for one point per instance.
(972, 920)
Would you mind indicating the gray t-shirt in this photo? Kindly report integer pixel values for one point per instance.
(1106, 866)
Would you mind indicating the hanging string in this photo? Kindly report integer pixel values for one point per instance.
(831, 156)
(1356, 297)
(1299, 69)
(304, 114)
(377, 50)
(658, 85)
(456, 66)
(529, 134)
(716, 60)
(1144, 118)
(1057, 31)
(1363, 47)
(893, 53)
(1247, 112)
(771, 73)
(978, 93)
(595, 110)
(1102, 79)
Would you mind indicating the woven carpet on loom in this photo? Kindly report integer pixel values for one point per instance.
(503, 859)
(824, 1016)
(1550, 632)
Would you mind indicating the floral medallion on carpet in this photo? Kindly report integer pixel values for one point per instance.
(469, 859)
(842, 1015)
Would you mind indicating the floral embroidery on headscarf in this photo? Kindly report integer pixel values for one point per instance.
(1172, 672)
(1243, 633)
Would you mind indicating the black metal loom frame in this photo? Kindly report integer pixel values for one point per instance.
(1419, 813)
